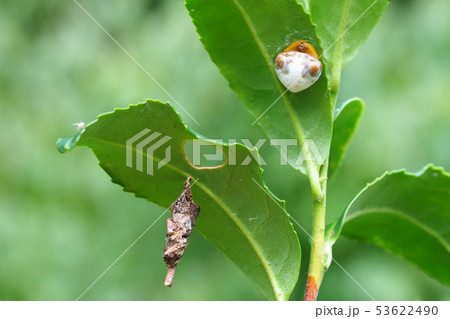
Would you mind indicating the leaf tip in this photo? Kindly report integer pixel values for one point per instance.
(65, 144)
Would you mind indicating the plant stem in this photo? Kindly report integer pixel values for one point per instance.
(316, 262)
(335, 81)
(314, 180)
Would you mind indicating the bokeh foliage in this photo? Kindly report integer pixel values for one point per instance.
(61, 228)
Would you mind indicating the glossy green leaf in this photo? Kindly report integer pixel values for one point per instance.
(345, 123)
(243, 38)
(344, 25)
(407, 214)
(238, 214)
(305, 4)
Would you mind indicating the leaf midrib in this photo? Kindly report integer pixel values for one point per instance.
(399, 213)
(228, 211)
(297, 127)
(337, 52)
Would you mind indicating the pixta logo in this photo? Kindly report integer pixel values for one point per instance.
(144, 144)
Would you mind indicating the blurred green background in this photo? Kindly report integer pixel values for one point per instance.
(62, 222)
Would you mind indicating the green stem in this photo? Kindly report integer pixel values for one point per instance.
(335, 80)
(314, 180)
(316, 267)
(318, 180)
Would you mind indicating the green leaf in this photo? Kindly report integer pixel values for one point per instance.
(67, 143)
(407, 214)
(332, 232)
(345, 123)
(243, 38)
(238, 214)
(343, 26)
(305, 4)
